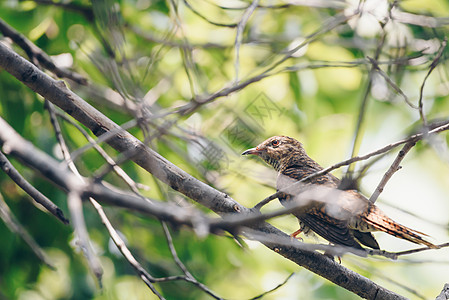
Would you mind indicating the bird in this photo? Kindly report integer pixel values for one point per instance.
(342, 217)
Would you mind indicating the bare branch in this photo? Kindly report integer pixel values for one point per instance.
(420, 20)
(391, 82)
(273, 289)
(40, 198)
(433, 65)
(292, 3)
(238, 37)
(188, 275)
(265, 201)
(86, 11)
(119, 171)
(395, 166)
(143, 274)
(419, 249)
(364, 101)
(53, 170)
(76, 211)
(230, 25)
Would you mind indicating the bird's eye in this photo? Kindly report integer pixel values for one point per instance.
(275, 143)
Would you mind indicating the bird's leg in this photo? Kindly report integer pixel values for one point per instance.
(296, 233)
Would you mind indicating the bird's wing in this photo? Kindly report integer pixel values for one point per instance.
(343, 205)
(321, 207)
(334, 230)
(366, 238)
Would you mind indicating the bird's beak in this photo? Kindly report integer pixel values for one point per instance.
(254, 151)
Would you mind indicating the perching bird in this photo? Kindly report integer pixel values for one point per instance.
(343, 217)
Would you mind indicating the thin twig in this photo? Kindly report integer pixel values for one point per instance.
(390, 82)
(284, 242)
(173, 250)
(119, 171)
(187, 57)
(179, 263)
(395, 166)
(273, 289)
(75, 203)
(363, 104)
(326, 27)
(407, 252)
(238, 37)
(381, 274)
(85, 10)
(291, 4)
(419, 20)
(103, 138)
(433, 65)
(76, 211)
(36, 195)
(143, 274)
(230, 25)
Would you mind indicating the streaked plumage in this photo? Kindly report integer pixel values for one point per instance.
(341, 217)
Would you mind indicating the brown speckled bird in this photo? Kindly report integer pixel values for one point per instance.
(341, 217)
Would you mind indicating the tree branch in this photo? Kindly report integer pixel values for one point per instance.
(395, 166)
(40, 198)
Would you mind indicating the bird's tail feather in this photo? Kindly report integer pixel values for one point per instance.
(382, 222)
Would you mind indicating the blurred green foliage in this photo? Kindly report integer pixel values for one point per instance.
(163, 54)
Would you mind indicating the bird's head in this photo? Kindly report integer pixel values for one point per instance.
(277, 151)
